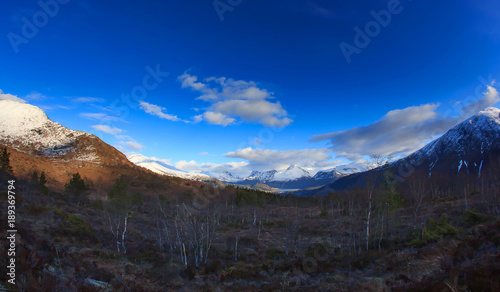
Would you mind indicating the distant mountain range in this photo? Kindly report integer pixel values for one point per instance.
(294, 177)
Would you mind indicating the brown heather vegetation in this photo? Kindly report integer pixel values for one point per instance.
(145, 232)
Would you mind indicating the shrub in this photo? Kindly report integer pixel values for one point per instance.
(437, 230)
(474, 218)
(73, 224)
(268, 223)
(274, 253)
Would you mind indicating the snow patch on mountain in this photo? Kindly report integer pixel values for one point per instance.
(161, 166)
(223, 176)
(262, 176)
(328, 174)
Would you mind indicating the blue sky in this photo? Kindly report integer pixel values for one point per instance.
(245, 84)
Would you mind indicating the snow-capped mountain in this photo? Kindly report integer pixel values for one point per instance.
(466, 149)
(262, 176)
(328, 174)
(351, 168)
(161, 166)
(292, 173)
(225, 176)
(28, 129)
(37, 143)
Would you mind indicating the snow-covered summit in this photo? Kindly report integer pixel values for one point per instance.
(293, 172)
(492, 113)
(262, 176)
(29, 129)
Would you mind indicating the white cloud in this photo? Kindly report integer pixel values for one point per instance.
(35, 96)
(236, 168)
(52, 107)
(203, 153)
(86, 99)
(216, 118)
(490, 98)
(197, 119)
(398, 132)
(107, 129)
(157, 111)
(101, 117)
(189, 81)
(8, 96)
(123, 137)
(132, 145)
(233, 100)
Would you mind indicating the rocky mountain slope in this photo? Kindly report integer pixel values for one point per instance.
(36, 143)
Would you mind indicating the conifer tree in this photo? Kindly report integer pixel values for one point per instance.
(76, 187)
(119, 193)
(42, 184)
(34, 178)
(5, 162)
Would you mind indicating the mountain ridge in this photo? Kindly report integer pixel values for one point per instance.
(465, 149)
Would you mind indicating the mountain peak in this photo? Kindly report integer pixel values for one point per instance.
(492, 113)
(16, 117)
(293, 172)
(28, 129)
(489, 110)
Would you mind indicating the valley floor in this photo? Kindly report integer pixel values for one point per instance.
(236, 239)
